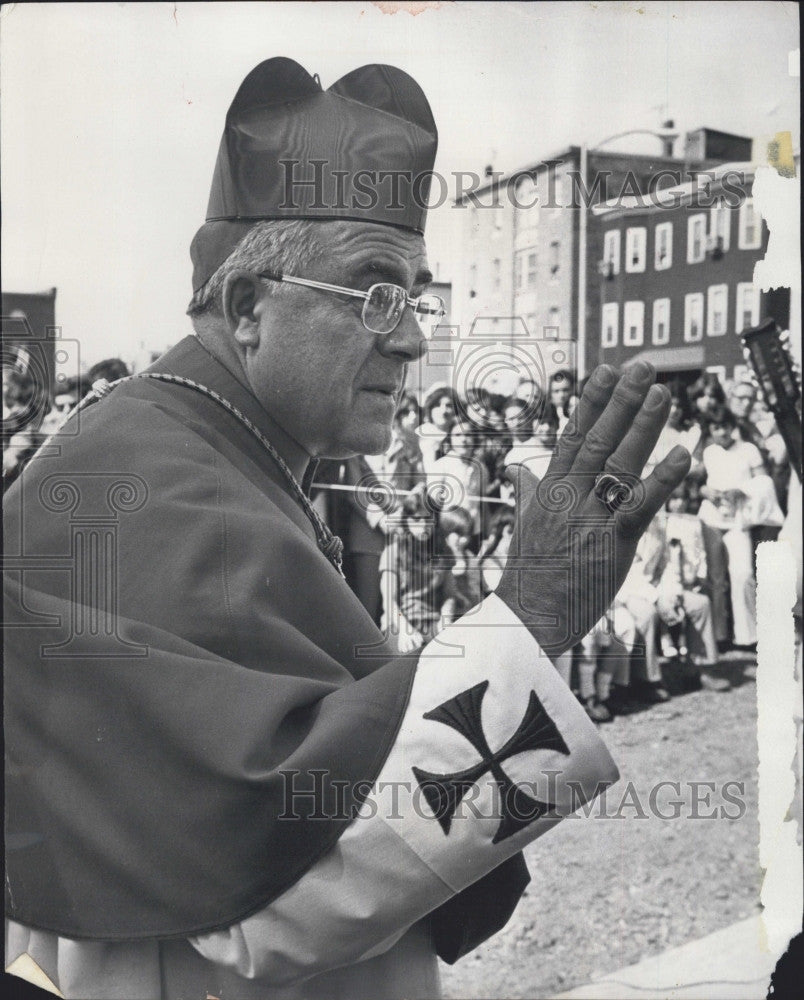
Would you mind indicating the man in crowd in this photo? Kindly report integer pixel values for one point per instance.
(195, 780)
(562, 386)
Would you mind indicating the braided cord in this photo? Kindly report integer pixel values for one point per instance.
(330, 544)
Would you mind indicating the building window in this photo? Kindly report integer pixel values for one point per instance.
(611, 251)
(552, 330)
(663, 251)
(496, 271)
(719, 229)
(693, 316)
(661, 321)
(520, 271)
(554, 257)
(525, 270)
(696, 238)
(747, 306)
(635, 243)
(750, 233)
(717, 304)
(633, 323)
(472, 281)
(608, 335)
(530, 276)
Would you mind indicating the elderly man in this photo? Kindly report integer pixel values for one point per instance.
(223, 781)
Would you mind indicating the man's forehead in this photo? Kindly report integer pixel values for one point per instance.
(391, 253)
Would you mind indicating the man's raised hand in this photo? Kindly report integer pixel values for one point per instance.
(571, 551)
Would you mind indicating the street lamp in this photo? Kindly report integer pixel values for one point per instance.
(667, 135)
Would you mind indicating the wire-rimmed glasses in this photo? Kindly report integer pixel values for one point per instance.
(383, 304)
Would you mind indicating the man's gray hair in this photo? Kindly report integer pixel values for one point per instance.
(273, 245)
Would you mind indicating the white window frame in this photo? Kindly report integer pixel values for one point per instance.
(658, 263)
(711, 293)
(699, 219)
(555, 259)
(661, 312)
(636, 245)
(745, 288)
(610, 321)
(611, 249)
(634, 315)
(720, 225)
(531, 275)
(748, 210)
(693, 304)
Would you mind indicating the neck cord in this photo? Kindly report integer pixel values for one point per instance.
(330, 544)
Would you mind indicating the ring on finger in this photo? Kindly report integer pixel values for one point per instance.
(612, 491)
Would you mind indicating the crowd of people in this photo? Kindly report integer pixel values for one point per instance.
(31, 413)
(427, 526)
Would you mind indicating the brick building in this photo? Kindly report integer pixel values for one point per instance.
(674, 277)
(521, 232)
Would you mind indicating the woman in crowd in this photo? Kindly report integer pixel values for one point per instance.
(462, 586)
(460, 479)
(731, 465)
(679, 429)
(21, 413)
(439, 416)
(706, 394)
(536, 452)
(402, 466)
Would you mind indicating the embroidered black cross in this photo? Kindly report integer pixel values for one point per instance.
(536, 731)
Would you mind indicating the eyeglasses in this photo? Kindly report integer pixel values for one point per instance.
(383, 304)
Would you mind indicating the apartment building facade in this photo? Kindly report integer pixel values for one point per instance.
(521, 274)
(675, 277)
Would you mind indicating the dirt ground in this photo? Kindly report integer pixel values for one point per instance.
(607, 892)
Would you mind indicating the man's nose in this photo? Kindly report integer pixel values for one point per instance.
(406, 342)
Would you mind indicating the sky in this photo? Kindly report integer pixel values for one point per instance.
(111, 115)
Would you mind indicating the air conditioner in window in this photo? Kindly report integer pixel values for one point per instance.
(605, 268)
(714, 246)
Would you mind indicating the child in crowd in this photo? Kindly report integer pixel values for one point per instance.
(685, 570)
(408, 580)
(494, 550)
(429, 576)
(461, 585)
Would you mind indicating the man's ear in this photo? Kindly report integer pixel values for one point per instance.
(240, 297)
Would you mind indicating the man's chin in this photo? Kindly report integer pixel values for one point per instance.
(371, 439)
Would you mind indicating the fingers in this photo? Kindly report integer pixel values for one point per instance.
(522, 480)
(591, 404)
(603, 438)
(640, 440)
(658, 486)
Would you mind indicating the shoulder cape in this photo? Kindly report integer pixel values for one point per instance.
(179, 657)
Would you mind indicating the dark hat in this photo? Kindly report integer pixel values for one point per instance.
(362, 150)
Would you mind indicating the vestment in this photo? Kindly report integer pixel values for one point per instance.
(347, 514)
(154, 726)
